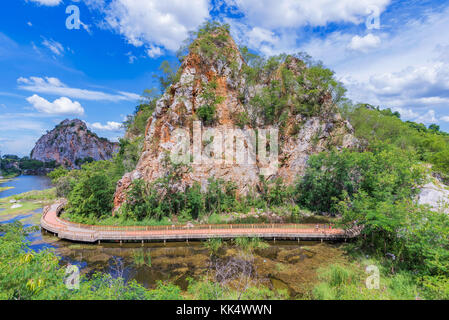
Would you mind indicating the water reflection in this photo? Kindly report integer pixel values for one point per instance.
(23, 184)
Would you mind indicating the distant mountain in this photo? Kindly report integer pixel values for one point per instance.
(71, 144)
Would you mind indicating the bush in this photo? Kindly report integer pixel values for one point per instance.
(386, 174)
(92, 195)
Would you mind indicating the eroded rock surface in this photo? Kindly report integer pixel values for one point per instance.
(223, 74)
(70, 143)
(436, 195)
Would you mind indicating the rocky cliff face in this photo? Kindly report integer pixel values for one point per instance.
(70, 143)
(436, 195)
(218, 82)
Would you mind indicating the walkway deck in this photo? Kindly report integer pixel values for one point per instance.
(87, 233)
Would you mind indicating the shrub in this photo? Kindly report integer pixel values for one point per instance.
(92, 195)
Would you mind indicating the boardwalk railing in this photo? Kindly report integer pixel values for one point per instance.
(91, 233)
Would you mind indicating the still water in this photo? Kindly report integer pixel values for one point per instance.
(23, 184)
(284, 264)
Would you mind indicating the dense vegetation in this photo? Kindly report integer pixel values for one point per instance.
(12, 165)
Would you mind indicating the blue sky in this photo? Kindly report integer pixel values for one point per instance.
(97, 72)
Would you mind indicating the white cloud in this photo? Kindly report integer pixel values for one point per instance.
(154, 52)
(109, 126)
(406, 113)
(54, 46)
(86, 27)
(413, 81)
(408, 71)
(50, 3)
(19, 132)
(153, 22)
(413, 87)
(445, 118)
(19, 145)
(29, 24)
(427, 118)
(54, 86)
(61, 106)
(293, 13)
(131, 57)
(365, 43)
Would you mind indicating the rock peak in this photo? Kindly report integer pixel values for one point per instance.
(215, 86)
(71, 144)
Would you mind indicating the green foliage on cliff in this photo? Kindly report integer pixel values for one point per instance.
(292, 87)
(210, 40)
(383, 174)
(135, 123)
(428, 144)
(206, 112)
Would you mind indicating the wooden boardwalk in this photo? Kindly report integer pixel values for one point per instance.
(50, 221)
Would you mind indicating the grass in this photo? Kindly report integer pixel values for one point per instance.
(29, 201)
(250, 244)
(349, 282)
(3, 180)
(280, 267)
(214, 245)
(41, 195)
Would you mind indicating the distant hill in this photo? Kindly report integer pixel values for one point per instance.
(71, 144)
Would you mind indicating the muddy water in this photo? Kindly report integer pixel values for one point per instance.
(283, 265)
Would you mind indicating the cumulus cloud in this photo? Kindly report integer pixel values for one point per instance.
(50, 3)
(154, 52)
(153, 22)
(54, 46)
(109, 126)
(61, 106)
(427, 118)
(413, 87)
(293, 13)
(365, 43)
(50, 85)
(131, 57)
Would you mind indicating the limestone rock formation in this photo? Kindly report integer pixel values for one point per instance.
(70, 143)
(436, 195)
(217, 81)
